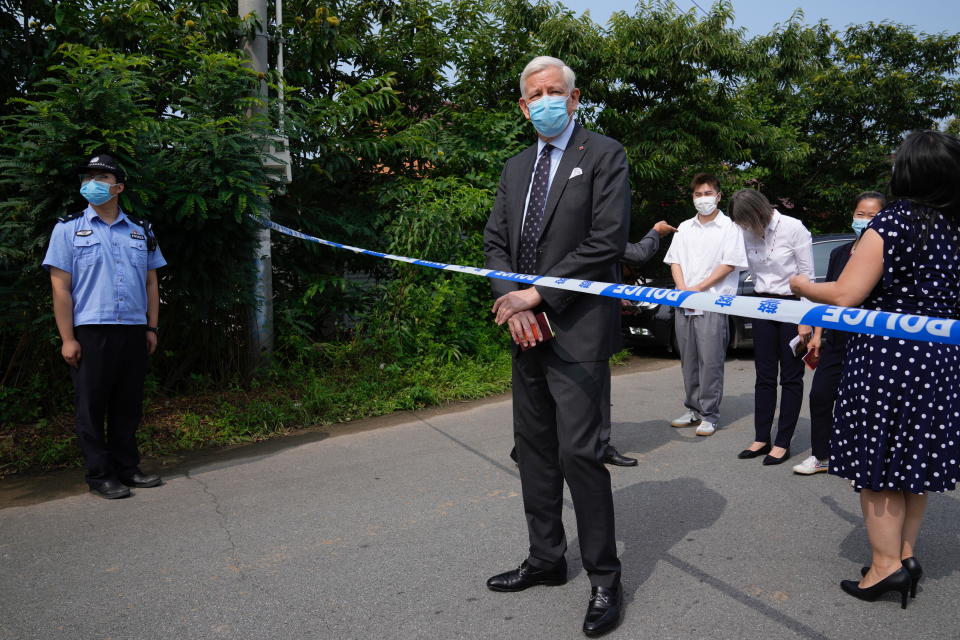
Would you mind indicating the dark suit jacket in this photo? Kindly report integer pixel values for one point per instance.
(639, 253)
(839, 258)
(585, 227)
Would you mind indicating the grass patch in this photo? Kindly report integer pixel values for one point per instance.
(286, 398)
(332, 386)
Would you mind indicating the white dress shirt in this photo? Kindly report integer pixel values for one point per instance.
(700, 248)
(784, 250)
(556, 154)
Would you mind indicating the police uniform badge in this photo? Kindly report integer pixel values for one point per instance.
(137, 236)
(84, 232)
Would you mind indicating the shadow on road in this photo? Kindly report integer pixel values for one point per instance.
(650, 524)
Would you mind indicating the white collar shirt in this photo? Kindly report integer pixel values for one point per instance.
(784, 250)
(556, 154)
(700, 247)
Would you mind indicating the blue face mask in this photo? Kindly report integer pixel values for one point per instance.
(549, 115)
(859, 225)
(96, 192)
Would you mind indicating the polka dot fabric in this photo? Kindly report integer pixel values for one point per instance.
(897, 416)
(530, 235)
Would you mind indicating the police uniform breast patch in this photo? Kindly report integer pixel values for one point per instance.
(137, 236)
(84, 232)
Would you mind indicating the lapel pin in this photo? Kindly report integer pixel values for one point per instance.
(580, 148)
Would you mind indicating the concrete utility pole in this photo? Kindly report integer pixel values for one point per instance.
(260, 318)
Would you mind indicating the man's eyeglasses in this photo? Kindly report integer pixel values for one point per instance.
(100, 177)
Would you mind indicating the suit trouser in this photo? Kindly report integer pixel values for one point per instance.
(771, 352)
(557, 418)
(702, 340)
(605, 408)
(108, 391)
(823, 394)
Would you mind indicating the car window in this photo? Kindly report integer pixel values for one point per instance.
(821, 255)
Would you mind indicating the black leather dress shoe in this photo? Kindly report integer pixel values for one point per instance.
(770, 460)
(527, 576)
(142, 480)
(604, 610)
(612, 456)
(746, 454)
(110, 489)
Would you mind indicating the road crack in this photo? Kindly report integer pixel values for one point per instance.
(234, 556)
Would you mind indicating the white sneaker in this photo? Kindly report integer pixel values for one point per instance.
(706, 428)
(688, 419)
(811, 466)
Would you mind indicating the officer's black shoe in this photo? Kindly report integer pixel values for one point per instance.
(604, 610)
(110, 489)
(142, 480)
(526, 575)
(612, 456)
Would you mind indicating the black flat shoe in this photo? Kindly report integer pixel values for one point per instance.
(898, 581)
(770, 460)
(913, 568)
(604, 610)
(526, 576)
(612, 456)
(746, 454)
(142, 480)
(110, 489)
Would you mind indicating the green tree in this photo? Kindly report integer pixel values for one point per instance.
(176, 117)
(849, 104)
(400, 114)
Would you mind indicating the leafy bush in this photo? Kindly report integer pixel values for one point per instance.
(400, 116)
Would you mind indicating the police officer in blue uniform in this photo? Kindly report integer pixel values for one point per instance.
(103, 267)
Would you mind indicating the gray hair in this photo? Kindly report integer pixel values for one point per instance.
(750, 210)
(545, 62)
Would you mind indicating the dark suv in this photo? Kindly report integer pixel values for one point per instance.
(650, 322)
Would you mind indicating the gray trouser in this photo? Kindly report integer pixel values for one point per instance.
(703, 346)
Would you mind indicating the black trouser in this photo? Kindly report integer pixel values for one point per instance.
(772, 354)
(605, 407)
(557, 415)
(108, 388)
(823, 393)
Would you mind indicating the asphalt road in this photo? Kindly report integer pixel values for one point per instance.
(389, 529)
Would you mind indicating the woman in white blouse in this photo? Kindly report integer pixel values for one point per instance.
(778, 247)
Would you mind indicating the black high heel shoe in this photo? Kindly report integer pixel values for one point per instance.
(898, 581)
(913, 568)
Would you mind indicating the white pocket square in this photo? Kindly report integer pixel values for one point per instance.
(577, 171)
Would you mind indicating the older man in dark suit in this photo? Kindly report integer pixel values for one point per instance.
(563, 209)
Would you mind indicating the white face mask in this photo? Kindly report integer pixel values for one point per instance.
(705, 205)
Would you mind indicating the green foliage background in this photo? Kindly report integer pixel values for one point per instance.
(399, 115)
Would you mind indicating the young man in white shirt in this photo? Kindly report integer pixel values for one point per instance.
(707, 254)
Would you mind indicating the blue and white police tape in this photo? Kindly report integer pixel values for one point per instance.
(882, 323)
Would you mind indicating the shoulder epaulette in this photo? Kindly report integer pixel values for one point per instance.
(143, 222)
(70, 216)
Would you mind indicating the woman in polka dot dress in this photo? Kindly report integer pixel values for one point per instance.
(896, 433)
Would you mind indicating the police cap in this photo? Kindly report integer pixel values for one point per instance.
(102, 163)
